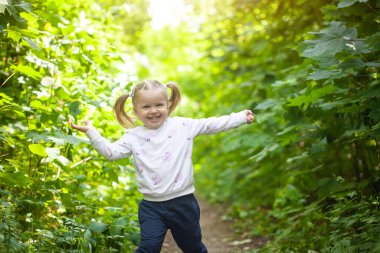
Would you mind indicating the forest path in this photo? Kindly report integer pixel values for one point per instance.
(217, 234)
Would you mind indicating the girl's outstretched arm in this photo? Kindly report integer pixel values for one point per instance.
(111, 151)
(218, 124)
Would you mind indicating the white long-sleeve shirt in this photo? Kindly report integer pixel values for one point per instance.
(163, 157)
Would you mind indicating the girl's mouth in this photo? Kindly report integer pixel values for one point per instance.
(154, 118)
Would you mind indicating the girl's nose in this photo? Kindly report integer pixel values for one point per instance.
(153, 110)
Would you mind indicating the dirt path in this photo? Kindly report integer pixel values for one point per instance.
(217, 234)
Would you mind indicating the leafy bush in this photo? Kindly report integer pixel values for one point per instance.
(307, 175)
(55, 64)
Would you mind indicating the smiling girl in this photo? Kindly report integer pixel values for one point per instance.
(162, 149)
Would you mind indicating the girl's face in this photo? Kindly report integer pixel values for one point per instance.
(151, 107)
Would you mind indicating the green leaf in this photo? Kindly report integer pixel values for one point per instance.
(14, 35)
(5, 100)
(63, 160)
(87, 235)
(80, 177)
(14, 13)
(74, 108)
(63, 93)
(31, 43)
(346, 3)
(52, 153)
(98, 227)
(113, 176)
(29, 71)
(355, 63)
(70, 138)
(313, 96)
(36, 137)
(326, 74)
(375, 114)
(264, 152)
(37, 104)
(331, 41)
(2, 7)
(122, 221)
(374, 41)
(30, 17)
(45, 233)
(38, 149)
(266, 104)
(25, 6)
(329, 186)
(58, 141)
(47, 81)
(12, 179)
(339, 103)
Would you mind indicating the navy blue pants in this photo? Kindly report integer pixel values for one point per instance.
(180, 215)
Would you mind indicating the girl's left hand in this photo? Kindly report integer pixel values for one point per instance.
(250, 116)
(82, 129)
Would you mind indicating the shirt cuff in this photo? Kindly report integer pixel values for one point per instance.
(242, 117)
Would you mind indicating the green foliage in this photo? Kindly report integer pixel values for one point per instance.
(55, 63)
(306, 175)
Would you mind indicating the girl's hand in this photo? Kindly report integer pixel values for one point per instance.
(83, 129)
(250, 116)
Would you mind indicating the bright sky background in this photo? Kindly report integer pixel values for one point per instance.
(168, 12)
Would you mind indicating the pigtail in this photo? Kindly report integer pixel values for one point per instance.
(123, 118)
(175, 96)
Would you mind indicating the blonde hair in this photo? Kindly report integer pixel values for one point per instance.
(125, 120)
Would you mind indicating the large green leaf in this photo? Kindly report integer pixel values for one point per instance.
(266, 104)
(98, 227)
(38, 149)
(330, 41)
(264, 152)
(313, 96)
(27, 70)
(14, 9)
(2, 6)
(326, 74)
(14, 179)
(346, 3)
(30, 42)
(74, 108)
(67, 138)
(14, 35)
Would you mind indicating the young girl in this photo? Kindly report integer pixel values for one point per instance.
(162, 151)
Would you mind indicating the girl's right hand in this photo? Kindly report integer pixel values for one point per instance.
(250, 116)
(83, 129)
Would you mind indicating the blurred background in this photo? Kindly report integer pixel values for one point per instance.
(305, 175)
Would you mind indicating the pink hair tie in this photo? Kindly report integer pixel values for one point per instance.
(132, 91)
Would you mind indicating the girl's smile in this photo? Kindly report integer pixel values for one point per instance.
(151, 107)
